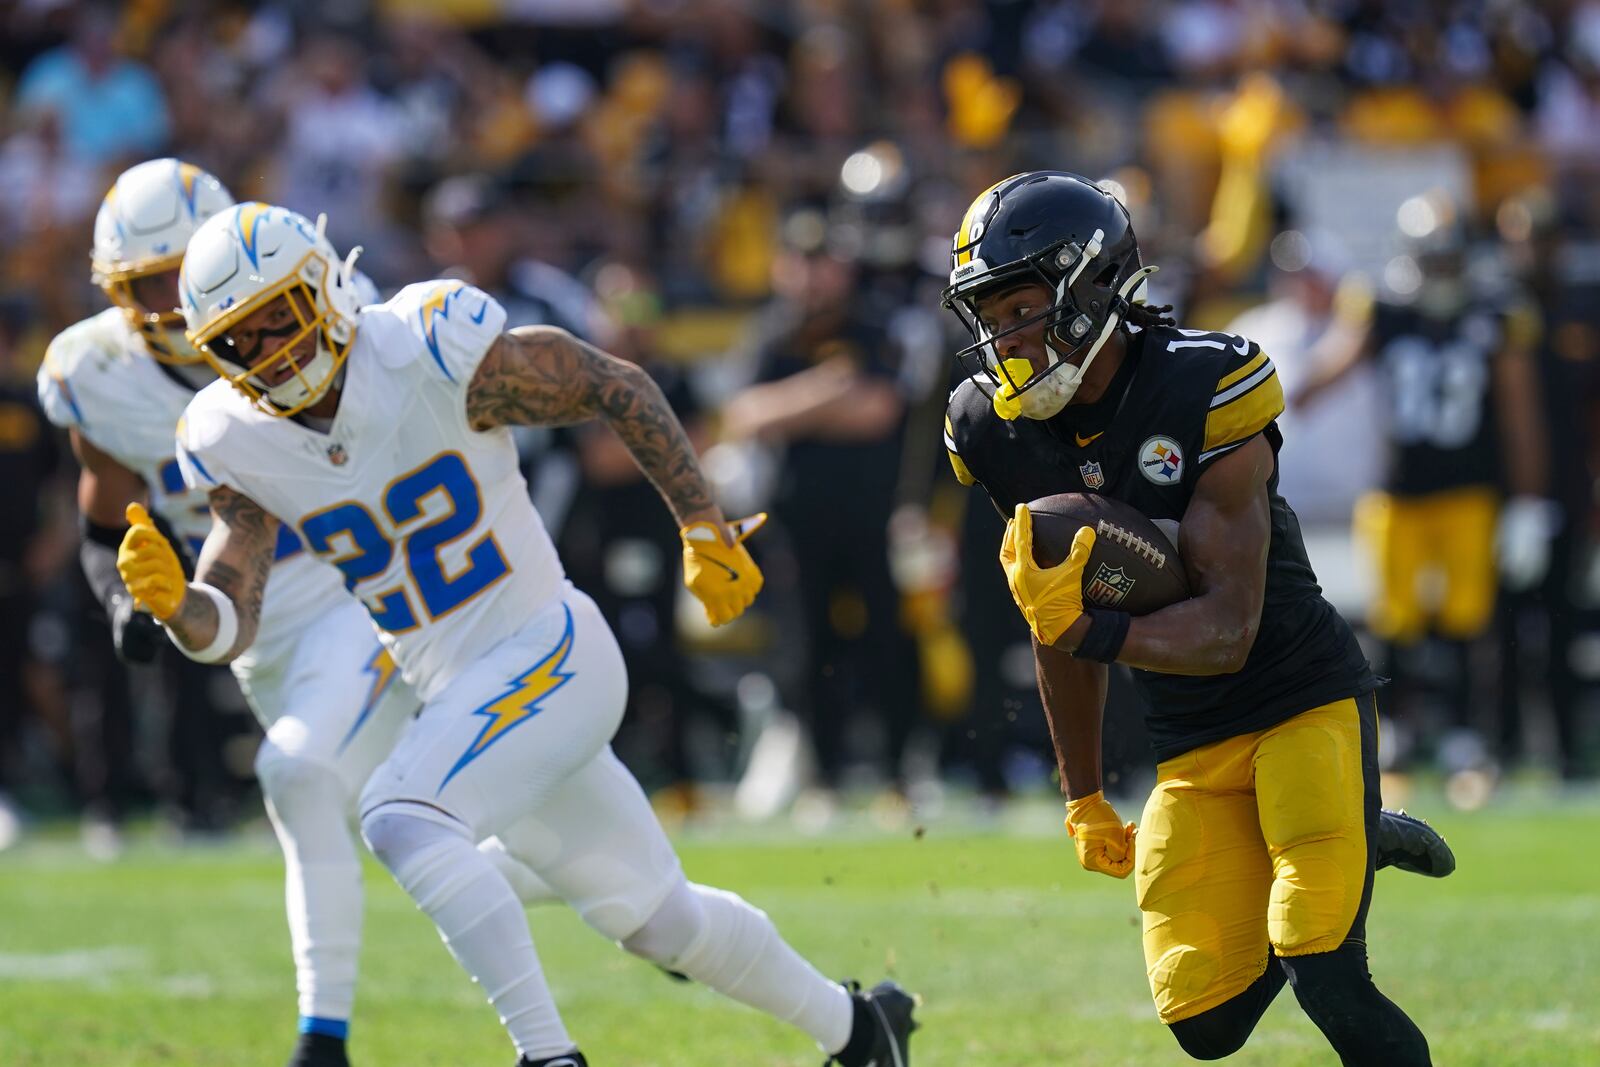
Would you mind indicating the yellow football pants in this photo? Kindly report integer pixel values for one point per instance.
(1256, 840)
(1434, 561)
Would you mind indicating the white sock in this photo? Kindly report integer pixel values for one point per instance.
(308, 807)
(719, 940)
(478, 916)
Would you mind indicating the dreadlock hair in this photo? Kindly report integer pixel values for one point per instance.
(1145, 316)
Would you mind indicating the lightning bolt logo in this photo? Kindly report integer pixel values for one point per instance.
(249, 218)
(188, 174)
(437, 307)
(521, 701)
(381, 667)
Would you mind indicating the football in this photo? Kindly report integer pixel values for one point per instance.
(1134, 566)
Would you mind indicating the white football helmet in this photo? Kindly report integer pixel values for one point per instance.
(140, 230)
(241, 261)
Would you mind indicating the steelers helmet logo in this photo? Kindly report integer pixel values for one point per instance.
(1161, 461)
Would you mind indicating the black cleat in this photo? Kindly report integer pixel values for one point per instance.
(885, 1010)
(566, 1059)
(1409, 843)
(319, 1050)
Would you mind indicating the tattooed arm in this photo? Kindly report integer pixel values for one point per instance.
(544, 376)
(235, 561)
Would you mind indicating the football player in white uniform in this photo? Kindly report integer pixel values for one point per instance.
(381, 435)
(324, 688)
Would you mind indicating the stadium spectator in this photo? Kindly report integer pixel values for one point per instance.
(111, 106)
(30, 550)
(825, 393)
(1323, 467)
(1540, 625)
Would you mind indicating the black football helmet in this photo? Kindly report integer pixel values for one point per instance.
(1065, 232)
(1431, 270)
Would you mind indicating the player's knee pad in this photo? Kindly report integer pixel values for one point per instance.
(418, 849)
(1316, 893)
(669, 932)
(294, 784)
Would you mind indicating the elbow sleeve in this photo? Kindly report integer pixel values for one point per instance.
(98, 555)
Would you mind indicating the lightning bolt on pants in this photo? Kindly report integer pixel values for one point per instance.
(492, 747)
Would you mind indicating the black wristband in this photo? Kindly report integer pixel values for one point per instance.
(109, 536)
(1107, 631)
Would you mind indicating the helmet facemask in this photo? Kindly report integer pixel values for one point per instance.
(161, 329)
(1085, 311)
(310, 314)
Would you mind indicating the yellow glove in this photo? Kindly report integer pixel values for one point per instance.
(149, 566)
(721, 575)
(1051, 598)
(1104, 843)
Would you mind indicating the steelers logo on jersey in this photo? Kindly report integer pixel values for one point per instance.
(1161, 461)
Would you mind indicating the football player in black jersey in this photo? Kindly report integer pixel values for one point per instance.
(1460, 375)
(1258, 845)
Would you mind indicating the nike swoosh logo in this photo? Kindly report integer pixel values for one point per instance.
(478, 318)
(733, 575)
(1085, 442)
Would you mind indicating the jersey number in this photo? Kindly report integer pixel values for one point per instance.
(1438, 392)
(349, 537)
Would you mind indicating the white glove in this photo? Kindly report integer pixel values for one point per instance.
(1522, 543)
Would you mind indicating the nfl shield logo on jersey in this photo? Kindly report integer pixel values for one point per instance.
(1091, 474)
(337, 455)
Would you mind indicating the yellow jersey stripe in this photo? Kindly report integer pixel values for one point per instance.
(1243, 372)
(1243, 415)
(963, 475)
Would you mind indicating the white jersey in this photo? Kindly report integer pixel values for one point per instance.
(428, 519)
(97, 379)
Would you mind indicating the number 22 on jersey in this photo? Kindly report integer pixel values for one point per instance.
(351, 538)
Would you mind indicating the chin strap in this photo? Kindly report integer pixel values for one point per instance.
(1009, 405)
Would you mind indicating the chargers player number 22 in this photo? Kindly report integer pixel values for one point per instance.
(351, 538)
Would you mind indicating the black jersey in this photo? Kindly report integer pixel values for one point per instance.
(1437, 377)
(1181, 400)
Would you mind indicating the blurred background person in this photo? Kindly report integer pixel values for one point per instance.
(110, 106)
(1323, 467)
(33, 536)
(1558, 260)
(1456, 347)
(825, 394)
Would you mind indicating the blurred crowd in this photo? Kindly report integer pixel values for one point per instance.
(755, 200)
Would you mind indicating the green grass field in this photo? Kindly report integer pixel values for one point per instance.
(179, 956)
